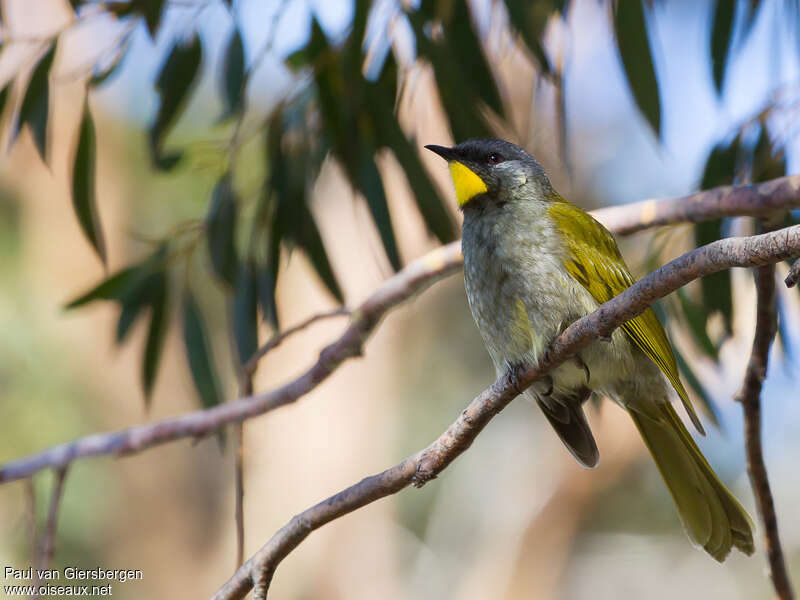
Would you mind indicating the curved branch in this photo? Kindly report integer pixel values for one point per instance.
(710, 204)
(411, 280)
(750, 397)
(754, 200)
(425, 465)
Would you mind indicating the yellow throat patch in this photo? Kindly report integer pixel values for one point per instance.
(468, 184)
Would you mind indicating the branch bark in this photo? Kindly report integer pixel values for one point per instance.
(755, 200)
(750, 397)
(426, 464)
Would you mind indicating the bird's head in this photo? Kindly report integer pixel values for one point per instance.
(490, 168)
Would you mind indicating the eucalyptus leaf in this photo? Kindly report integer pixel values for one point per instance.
(84, 200)
(221, 230)
(35, 104)
(232, 76)
(155, 335)
(631, 36)
(721, 32)
(176, 79)
(245, 312)
(198, 352)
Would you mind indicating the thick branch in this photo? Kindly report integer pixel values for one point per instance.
(413, 279)
(755, 200)
(426, 464)
(750, 397)
(710, 204)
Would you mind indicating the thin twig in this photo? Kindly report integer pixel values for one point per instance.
(249, 368)
(417, 276)
(238, 449)
(425, 465)
(49, 534)
(414, 278)
(750, 397)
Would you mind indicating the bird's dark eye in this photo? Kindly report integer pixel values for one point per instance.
(494, 158)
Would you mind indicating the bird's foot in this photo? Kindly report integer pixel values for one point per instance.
(579, 361)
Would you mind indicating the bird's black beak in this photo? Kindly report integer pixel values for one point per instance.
(446, 153)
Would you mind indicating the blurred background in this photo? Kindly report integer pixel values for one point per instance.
(304, 111)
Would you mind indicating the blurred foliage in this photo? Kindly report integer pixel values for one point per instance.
(343, 105)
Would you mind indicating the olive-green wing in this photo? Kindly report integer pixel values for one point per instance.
(594, 260)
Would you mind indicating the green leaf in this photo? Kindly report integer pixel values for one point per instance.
(155, 335)
(634, 50)
(221, 230)
(232, 76)
(124, 282)
(721, 164)
(4, 97)
(198, 352)
(175, 81)
(530, 20)
(766, 163)
(309, 239)
(245, 312)
(83, 185)
(721, 31)
(151, 10)
(140, 294)
(371, 185)
(708, 406)
(266, 280)
(717, 292)
(696, 319)
(34, 109)
(389, 134)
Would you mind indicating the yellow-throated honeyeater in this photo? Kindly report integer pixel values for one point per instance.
(533, 264)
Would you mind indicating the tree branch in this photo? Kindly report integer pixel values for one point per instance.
(755, 200)
(417, 276)
(750, 397)
(425, 465)
(709, 204)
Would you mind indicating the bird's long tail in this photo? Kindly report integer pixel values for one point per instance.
(710, 514)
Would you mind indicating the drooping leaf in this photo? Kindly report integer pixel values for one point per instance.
(245, 312)
(721, 164)
(198, 352)
(118, 286)
(721, 32)
(390, 135)
(716, 288)
(155, 334)
(696, 319)
(631, 36)
(139, 295)
(83, 185)
(232, 76)
(175, 81)
(4, 97)
(152, 11)
(371, 185)
(35, 104)
(309, 239)
(766, 163)
(266, 281)
(708, 406)
(530, 20)
(221, 230)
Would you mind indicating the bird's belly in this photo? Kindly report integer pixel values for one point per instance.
(521, 310)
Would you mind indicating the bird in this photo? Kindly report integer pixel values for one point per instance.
(533, 264)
